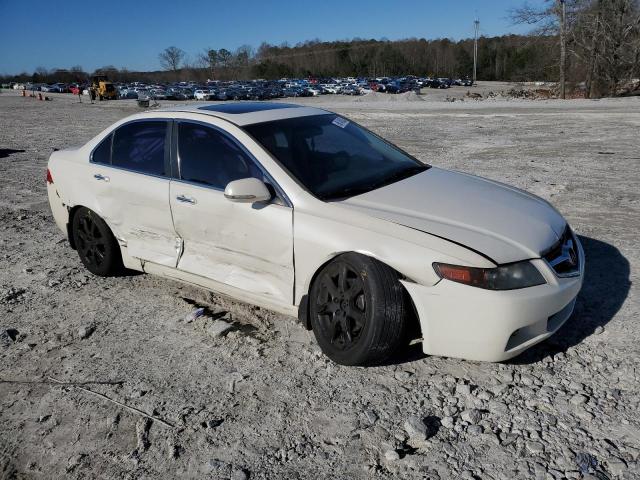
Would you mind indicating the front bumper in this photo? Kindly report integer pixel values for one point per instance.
(485, 325)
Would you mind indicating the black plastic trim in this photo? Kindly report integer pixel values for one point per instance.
(303, 312)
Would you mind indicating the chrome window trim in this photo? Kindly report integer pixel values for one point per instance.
(278, 189)
(129, 170)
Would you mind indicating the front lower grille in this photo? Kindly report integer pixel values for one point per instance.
(563, 256)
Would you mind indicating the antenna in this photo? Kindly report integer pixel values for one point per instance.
(476, 28)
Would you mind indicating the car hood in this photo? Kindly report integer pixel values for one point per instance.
(501, 222)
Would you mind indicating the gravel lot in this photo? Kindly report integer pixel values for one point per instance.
(262, 401)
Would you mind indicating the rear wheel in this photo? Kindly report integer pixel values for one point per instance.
(358, 309)
(96, 245)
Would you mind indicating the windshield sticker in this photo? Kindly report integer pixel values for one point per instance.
(340, 122)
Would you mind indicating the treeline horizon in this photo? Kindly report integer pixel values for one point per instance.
(506, 58)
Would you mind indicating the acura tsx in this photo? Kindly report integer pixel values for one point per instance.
(304, 212)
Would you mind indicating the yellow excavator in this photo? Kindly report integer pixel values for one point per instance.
(103, 89)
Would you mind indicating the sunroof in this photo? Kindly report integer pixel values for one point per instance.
(246, 107)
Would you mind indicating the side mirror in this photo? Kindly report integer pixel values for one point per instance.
(247, 190)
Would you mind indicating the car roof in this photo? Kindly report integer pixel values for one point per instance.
(247, 113)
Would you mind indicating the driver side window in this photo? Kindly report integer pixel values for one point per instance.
(210, 158)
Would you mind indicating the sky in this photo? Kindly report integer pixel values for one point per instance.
(131, 34)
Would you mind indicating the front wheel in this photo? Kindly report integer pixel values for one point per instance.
(358, 310)
(96, 245)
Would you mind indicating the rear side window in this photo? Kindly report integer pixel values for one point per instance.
(211, 158)
(140, 146)
(102, 153)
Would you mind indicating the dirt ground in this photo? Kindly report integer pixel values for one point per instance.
(262, 401)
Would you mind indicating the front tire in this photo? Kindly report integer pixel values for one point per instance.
(97, 247)
(358, 310)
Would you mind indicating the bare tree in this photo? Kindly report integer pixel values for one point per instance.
(224, 57)
(209, 59)
(552, 18)
(602, 36)
(171, 58)
(606, 40)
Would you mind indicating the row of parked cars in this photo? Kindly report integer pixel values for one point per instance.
(261, 89)
(266, 90)
(39, 87)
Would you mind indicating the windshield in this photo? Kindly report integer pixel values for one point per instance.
(334, 157)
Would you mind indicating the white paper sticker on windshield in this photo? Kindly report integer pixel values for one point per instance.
(340, 122)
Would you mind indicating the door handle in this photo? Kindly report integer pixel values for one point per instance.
(185, 199)
(98, 176)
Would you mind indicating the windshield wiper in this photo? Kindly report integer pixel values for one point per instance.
(399, 175)
(352, 191)
(346, 192)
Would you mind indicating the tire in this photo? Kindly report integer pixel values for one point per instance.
(97, 247)
(358, 310)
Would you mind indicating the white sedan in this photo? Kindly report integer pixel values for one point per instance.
(302, 211)
(201, 95)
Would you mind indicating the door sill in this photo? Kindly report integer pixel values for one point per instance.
(220, 288)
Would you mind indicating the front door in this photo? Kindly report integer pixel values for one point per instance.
(243, 245)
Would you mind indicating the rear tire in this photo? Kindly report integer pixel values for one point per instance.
(358, 310)
(97, 247)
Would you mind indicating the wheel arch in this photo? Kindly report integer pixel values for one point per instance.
(72, 213)
(303, 307)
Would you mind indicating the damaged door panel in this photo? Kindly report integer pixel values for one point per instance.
(131, 184)
(244, 245)
(241, 245)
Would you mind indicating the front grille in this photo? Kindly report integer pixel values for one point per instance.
(563, 256)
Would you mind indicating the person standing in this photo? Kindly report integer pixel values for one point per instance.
(79, 87)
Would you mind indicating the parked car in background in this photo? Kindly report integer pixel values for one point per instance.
(331, 88)
(202, 94)
(158, 94)
(350, 90)
(128, 94)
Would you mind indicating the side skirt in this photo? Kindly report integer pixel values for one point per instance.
(221, 288)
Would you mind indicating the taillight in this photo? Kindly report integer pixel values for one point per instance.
(49, 177)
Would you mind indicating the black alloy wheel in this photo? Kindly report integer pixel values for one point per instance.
(341, 304)
(96, 246)
(357, 309)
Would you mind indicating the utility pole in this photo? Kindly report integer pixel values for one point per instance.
(476, 28)
(563, 47)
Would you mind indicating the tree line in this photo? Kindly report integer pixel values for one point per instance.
(594, 44)
(509, 57)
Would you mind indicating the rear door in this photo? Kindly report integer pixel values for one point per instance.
(130, 171)
(243, 245)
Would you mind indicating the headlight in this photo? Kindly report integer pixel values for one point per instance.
(504, 277)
